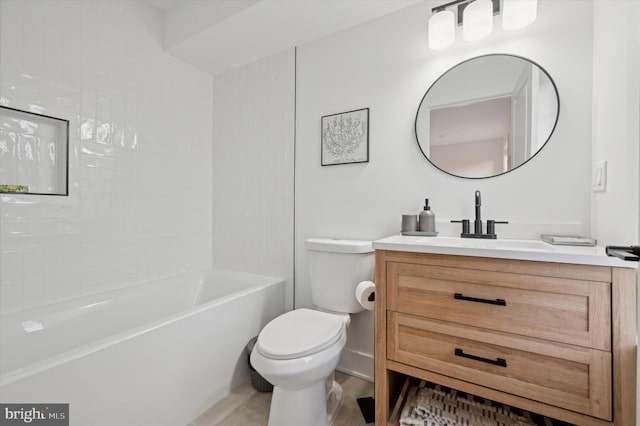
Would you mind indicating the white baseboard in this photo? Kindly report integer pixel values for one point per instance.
(357, 364)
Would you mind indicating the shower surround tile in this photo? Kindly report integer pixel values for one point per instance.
(140, 136)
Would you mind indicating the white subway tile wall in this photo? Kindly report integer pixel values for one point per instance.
(253, 179)
(139, 204)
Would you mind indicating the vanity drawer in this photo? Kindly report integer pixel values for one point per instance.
(575, 378)
(571, 311)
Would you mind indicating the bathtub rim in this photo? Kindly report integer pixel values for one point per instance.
(118, 338)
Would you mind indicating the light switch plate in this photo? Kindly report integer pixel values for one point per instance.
(599, 177)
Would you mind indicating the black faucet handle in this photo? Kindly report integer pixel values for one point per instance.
(465, 225)
(491, 225)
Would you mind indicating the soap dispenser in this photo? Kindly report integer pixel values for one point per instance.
(427, 219)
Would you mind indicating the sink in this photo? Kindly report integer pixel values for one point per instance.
(523, 249)
(485, 244)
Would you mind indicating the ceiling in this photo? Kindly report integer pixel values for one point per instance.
(218, 35)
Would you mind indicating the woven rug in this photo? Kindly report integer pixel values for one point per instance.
(433, 405)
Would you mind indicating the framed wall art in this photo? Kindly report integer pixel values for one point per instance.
(345, 138)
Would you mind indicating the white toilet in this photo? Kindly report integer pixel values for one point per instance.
(298, 351)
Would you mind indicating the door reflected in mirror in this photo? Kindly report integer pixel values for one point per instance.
(487, 116)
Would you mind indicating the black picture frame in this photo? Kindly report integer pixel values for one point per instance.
(344, 138)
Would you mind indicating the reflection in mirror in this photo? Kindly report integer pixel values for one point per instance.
(487, 116)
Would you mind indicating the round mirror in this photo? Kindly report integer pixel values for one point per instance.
(487, 115)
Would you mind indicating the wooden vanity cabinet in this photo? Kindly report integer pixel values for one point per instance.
(557, 339)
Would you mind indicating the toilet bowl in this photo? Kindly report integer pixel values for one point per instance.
(296, 352)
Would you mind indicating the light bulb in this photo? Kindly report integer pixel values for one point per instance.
(477, 20)
(518, 14)
(442, 30)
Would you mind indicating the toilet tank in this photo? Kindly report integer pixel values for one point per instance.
(336, 267)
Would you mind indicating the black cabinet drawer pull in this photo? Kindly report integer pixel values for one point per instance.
(500, 362)
(500, 302)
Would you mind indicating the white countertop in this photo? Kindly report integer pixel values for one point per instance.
(535, 250)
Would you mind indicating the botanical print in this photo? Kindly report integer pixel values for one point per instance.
(345, 137)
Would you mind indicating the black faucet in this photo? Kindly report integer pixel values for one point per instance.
(477, 224)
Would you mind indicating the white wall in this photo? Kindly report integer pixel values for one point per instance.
(386, 65)
(616, 126)
(616, 98)
(253, 168)
(139, 204)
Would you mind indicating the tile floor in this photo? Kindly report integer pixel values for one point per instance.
(244, 406)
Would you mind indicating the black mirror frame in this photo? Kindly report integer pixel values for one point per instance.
(555, 124)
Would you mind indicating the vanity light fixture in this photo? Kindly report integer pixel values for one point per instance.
(518, 14)
(476, 19)
(442, 30)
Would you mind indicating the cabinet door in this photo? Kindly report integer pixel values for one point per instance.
(570, 377)
(571, 311)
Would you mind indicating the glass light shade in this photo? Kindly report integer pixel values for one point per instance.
(518, 14)
(442, 30)
(477, 20)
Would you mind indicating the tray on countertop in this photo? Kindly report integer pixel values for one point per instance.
(568, 240)
(420, 233)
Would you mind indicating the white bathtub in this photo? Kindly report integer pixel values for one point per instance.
(153, 354)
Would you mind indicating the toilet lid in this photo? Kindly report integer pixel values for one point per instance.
(299, 333)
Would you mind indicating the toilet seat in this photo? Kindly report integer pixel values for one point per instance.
(299, 333)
